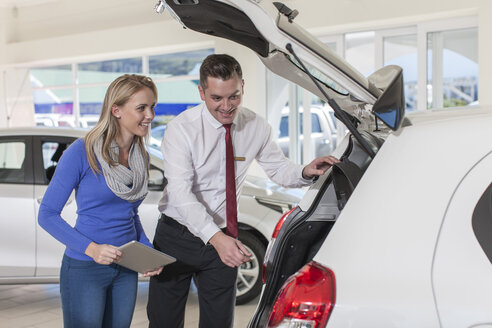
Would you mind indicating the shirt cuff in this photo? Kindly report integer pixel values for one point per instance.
(307, 181)
(208, 232)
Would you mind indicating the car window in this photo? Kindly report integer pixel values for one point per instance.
(158, 132)
(284, 125)
(315, 125)
(52, 151)
(12, 159)
(482, 222)
(157, 181)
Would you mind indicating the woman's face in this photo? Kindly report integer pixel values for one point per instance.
(135, 115)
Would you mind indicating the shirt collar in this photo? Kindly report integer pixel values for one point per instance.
(213, 121)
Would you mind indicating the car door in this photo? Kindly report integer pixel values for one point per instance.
(47, 151)
(462, 267)
(17, 219)
(148, 210)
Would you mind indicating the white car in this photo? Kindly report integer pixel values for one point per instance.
(28, 254)
(399, 233)
(323, 131)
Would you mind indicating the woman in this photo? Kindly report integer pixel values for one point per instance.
(109, 171)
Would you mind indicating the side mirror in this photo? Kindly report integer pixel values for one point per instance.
(156, 180)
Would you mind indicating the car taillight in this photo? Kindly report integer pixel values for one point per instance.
(280, 223)
(306, 299)
(278, 226)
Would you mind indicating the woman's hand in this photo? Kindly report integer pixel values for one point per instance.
(153, 272)
(103, 254)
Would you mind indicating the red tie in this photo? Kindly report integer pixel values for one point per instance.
(231, 205)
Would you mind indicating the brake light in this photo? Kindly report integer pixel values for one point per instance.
(278, 226)
(306, 299)
(280, 223)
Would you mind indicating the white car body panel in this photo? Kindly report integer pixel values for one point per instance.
(380, 253)
(17, 244)
(49, 251)
(461, 270)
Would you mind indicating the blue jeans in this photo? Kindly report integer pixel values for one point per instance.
(95, 295)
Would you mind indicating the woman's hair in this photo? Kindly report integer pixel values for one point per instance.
(220, 66)
(118, 93)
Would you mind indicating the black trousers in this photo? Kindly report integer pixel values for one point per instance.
(168, 292)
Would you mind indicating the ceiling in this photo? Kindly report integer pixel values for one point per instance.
(22, 3)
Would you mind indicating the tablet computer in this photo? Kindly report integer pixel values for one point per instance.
(138, 257)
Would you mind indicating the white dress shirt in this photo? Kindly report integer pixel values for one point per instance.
(194, 165)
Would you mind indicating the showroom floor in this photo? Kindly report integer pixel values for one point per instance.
(38, 306)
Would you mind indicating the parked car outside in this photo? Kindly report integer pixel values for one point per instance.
(156, 135)
(88, 121)
(65, 120)
(54, 120)
(399, 233)
(28, 254)
(323, 131)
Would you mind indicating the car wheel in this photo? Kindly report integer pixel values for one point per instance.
(249, 277)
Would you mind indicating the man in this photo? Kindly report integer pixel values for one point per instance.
(202, 166)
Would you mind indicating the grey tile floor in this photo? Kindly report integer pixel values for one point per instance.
(38, 306)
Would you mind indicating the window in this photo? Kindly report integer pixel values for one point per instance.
(401, 50)
(284, 125)
(452, 68)
(107, 71)
(440, 69)
(360, 51)
(52, 152)
(72, 95)
(51, 76)
(177, 64)
(12, 159)
(285, 103)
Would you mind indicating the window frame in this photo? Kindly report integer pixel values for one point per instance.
(28, 158)
(422, 30)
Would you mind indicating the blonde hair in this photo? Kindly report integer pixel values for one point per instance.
(118, 93)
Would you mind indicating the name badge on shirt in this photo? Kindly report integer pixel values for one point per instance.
(239, 158)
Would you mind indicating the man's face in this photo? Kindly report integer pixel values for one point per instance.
(223, 97)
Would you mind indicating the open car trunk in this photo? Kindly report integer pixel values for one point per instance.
(309, 224)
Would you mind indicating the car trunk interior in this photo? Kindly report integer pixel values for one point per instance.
(304, 232)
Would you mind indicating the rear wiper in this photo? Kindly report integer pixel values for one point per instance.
(341, 114)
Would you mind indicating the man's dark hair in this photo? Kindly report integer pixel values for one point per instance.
(219, 66)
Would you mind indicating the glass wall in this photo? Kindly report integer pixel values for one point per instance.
(72, 95)
(300, 137)
(360, 51)
(452, 68)
(401, 50)
(440, 70)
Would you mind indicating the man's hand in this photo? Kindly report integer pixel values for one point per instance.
(318, 167)
(231, 251)
(103, 254)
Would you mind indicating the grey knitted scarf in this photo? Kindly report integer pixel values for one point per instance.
(129, 184)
